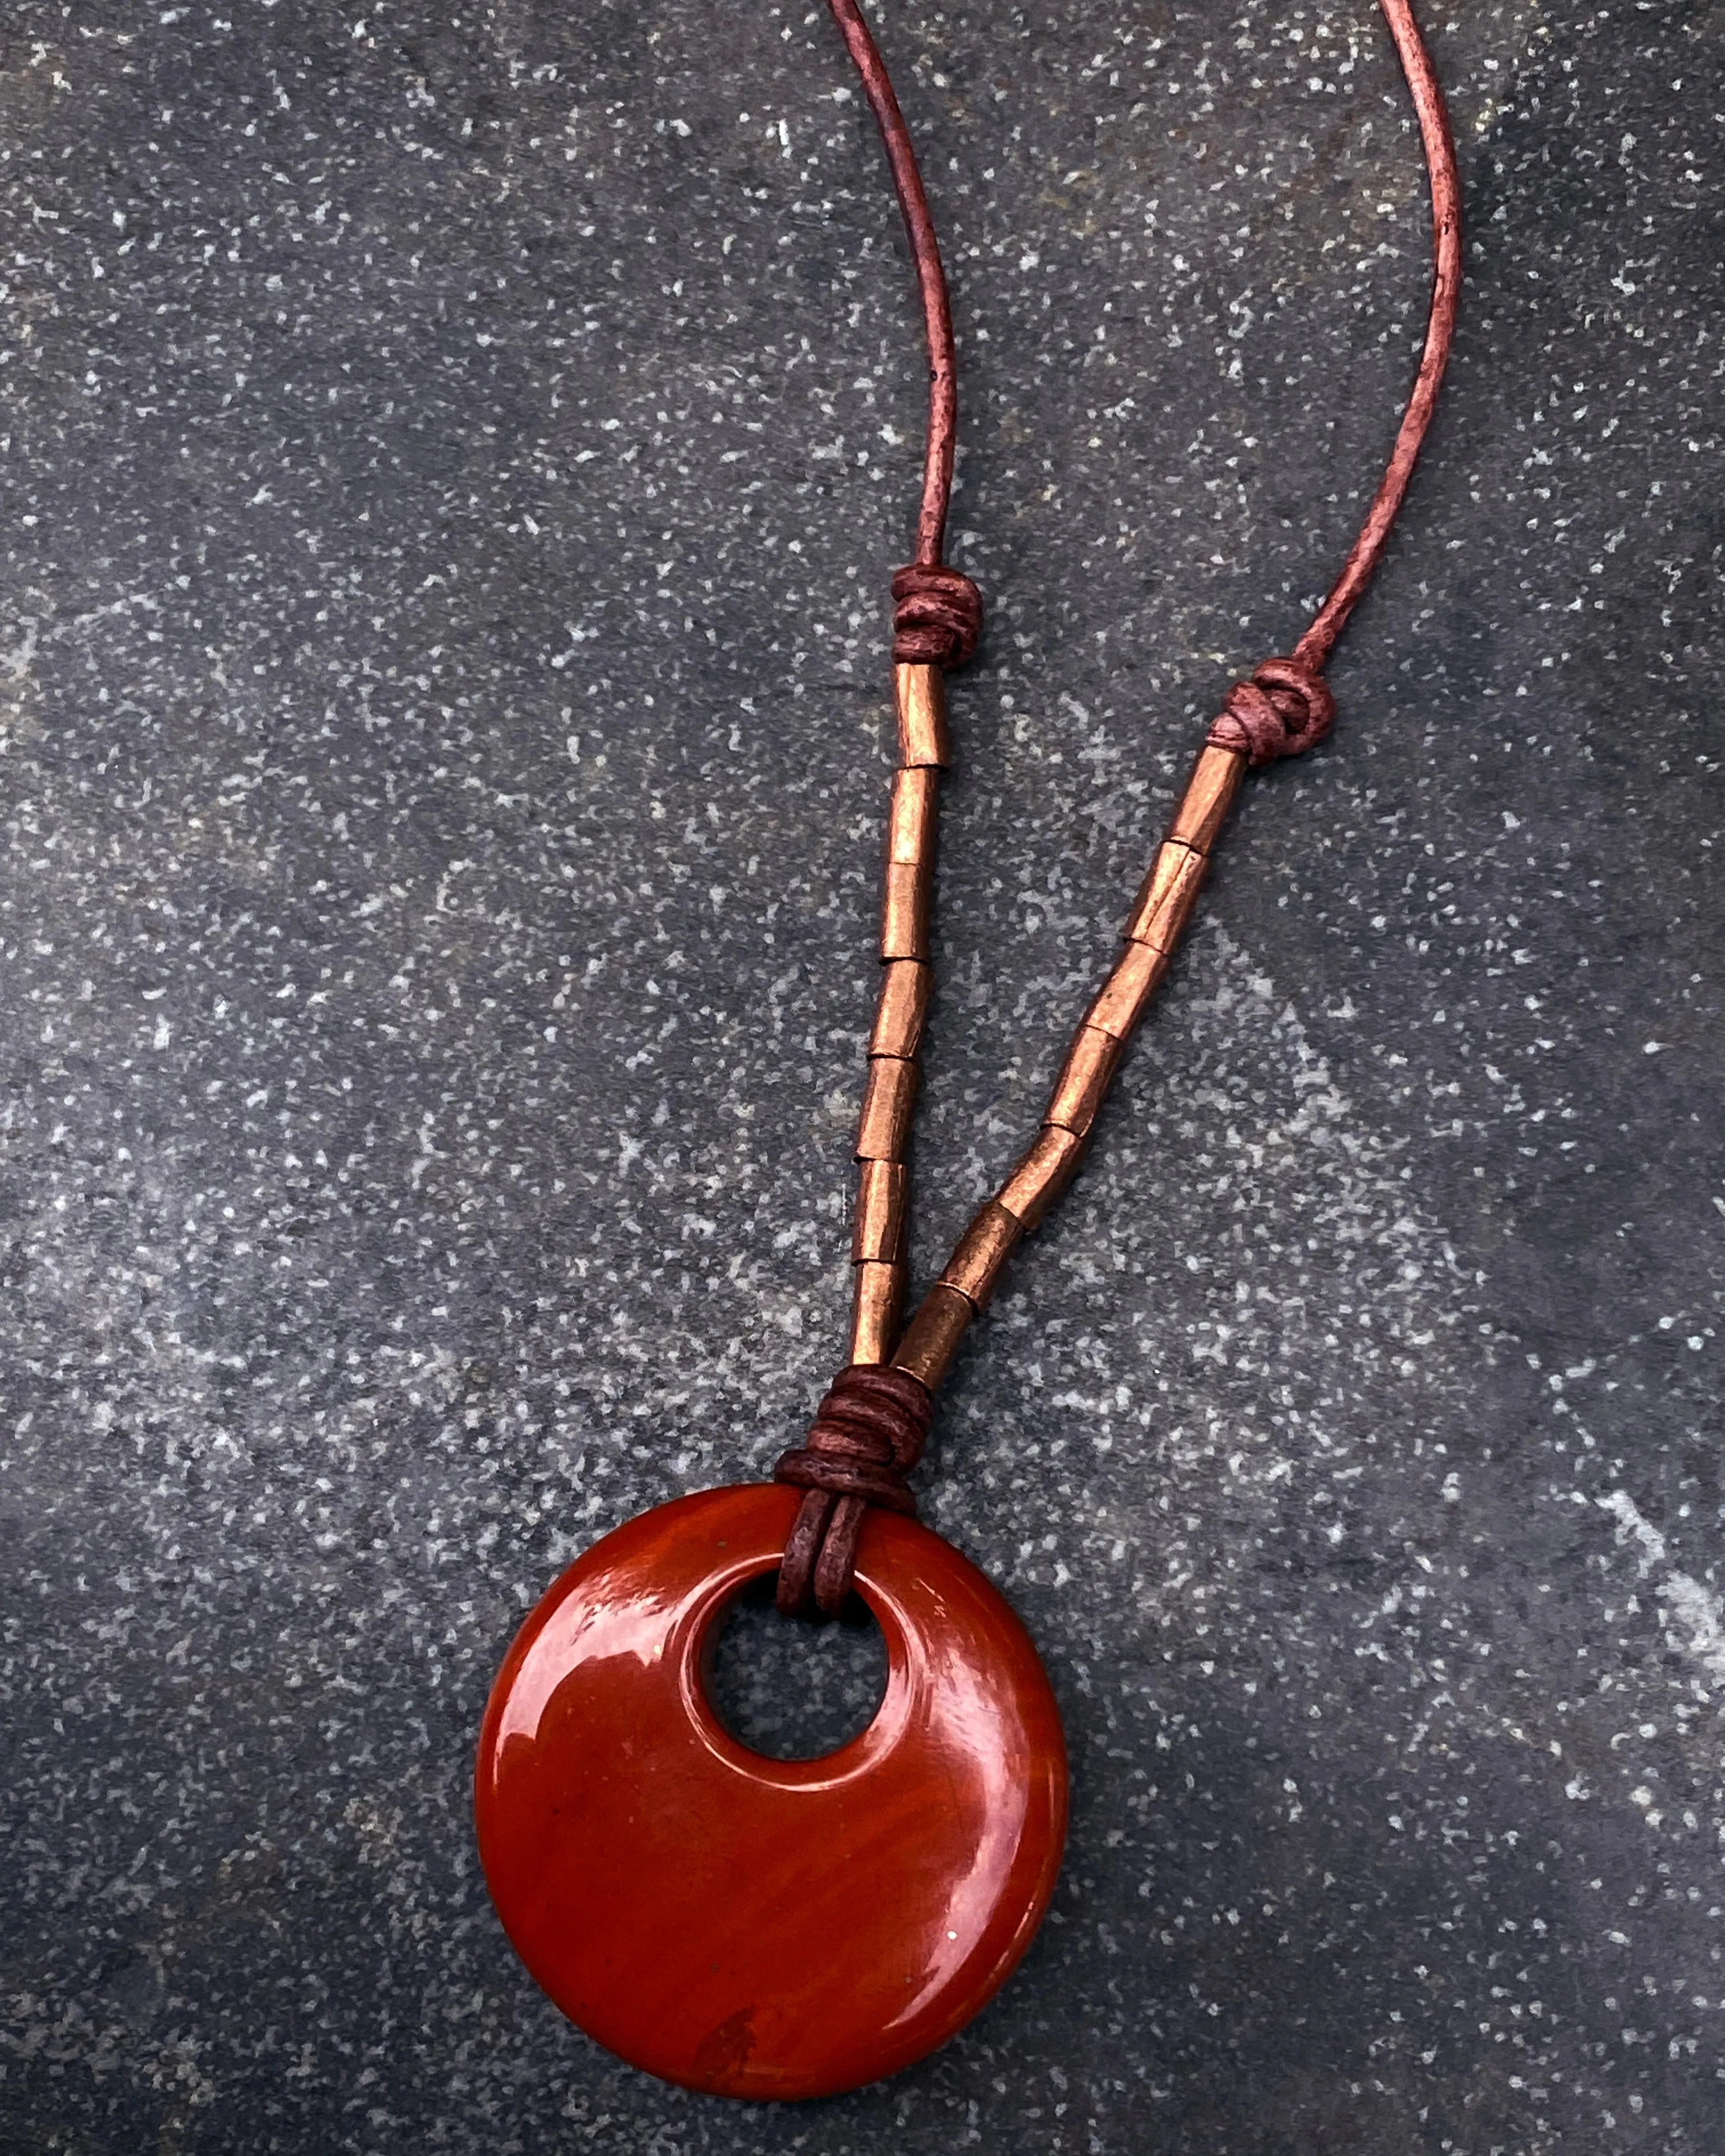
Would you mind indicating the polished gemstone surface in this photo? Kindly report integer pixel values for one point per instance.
(764, 1927)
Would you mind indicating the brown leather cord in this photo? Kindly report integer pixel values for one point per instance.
(939, 612)
(871, 1426)
(1315, 646)
(1286, 707)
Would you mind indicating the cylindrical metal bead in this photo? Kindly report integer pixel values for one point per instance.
(904, 990)
(875, 1312)
(982, 1251)
(905, 909)
(932, 1337)
(921, 717)
(888, 1099)
(1041, 1175)
(1128, 989)
(1090, 1062)
(910, 830)
(1208, 796)
(879, 1212)
(1167, 897)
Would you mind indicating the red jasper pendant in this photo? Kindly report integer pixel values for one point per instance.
(763, 1927)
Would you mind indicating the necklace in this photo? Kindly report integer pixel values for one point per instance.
(785, 1929)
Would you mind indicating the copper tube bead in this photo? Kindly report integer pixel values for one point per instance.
(904, 909)
(982, 1251)
(876, 1306)
(909, 828)
(1167, 896)
(1041, 1175)
(1128, 989)
(905, 986)
(1091, 1061)
(879, 1225)
(889, 1097)
(932, 1337)
(922, 738)
(1210, 795)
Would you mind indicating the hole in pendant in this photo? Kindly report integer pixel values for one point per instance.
(791, 1689)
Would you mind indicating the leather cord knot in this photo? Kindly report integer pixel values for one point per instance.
(1286, 707)
(867, 1435)
(937, 617)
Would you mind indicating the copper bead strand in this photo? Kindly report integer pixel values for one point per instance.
(1152, 933)
(877, 1250)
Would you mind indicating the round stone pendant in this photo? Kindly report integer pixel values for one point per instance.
(764, 1927)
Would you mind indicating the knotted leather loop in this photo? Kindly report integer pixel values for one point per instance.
(937, 616)
(1285, 708)
(867, 1435)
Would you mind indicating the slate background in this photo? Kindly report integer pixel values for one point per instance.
(453, 460)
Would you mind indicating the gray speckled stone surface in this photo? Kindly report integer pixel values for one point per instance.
(452, 461)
